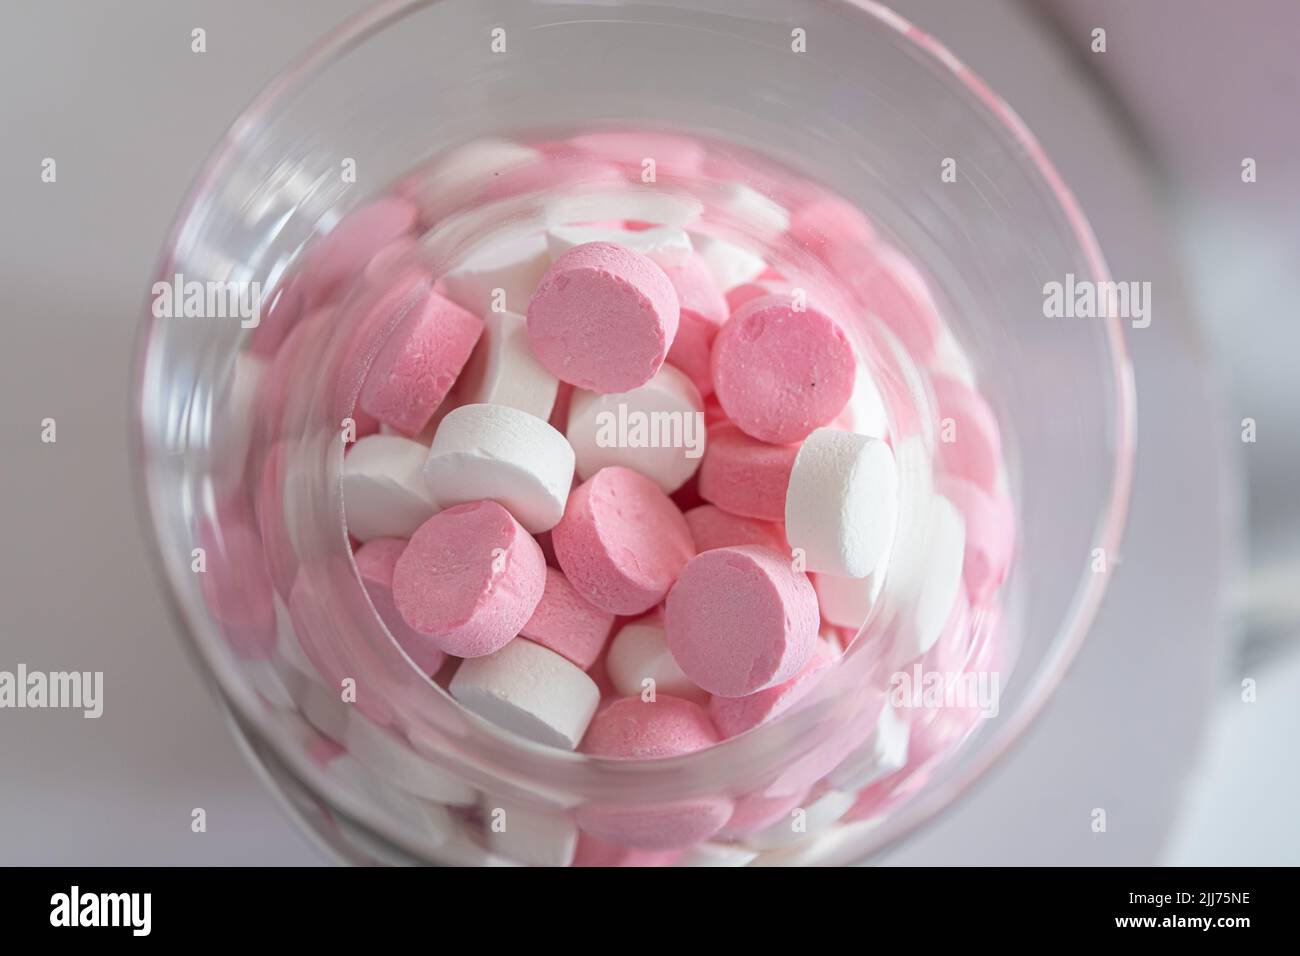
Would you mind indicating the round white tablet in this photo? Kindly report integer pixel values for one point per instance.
(498, 453)
(529, 690)
(503, 370)
(384, 493)
(657, 429)
(841, 507)
(639, 653)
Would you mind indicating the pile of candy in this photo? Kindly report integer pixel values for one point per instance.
(627, 488)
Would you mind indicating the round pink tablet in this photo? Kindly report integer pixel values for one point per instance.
(970, 445)
(418, 365)
(622, 541)
(603, 317)
(469, 579)
(990, 535)
(889, 286)
(746, 292)
(568, 623)
(779, 371)
(703, 310)
(637, 729)
(742, 619)
(735, 715)
(745, 476)
(632, 728)
(711, 527)
(345, 250)
(376, 561)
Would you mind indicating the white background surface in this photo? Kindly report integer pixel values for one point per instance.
(129, 112)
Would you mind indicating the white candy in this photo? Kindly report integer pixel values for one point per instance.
(660, 206)
(384, 494)
(500, 453)
(504, 371)
(234, 414)
(730, 264)
(657, 429)
(639, 652)
(762, 213)
(529, 836)
(465, 170)
(865, 413)
(847, 602)
(395, 762)
(842, 504)
(803, 823)
(529, 690)
(666, 245)
(710, 853)
(514, 266)
(938, 582)
(883, 752)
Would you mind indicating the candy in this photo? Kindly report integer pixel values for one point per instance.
(735, 715)
(990, 535)
(703, 310)
(745, 476)
(803, 823)
(568, 623)
(781, 370)
(711, 527)
(499, 277)
(384, 494)
(666, 245)
(938, 584)
(469, 579)
(883, 752)
(639, 654)
(841, 508)
(741, 619)
(657, 429)
(848, 602)
(528, 835)
(376, 561)
(504, 371)
(345, 250)
(501, 454)
(632, 728)
(730, 264)
(529, 690)
(622, 541)
(418, 364)
(969, 444)
(603, 318)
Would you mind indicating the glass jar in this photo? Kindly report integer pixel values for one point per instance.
(844, 94)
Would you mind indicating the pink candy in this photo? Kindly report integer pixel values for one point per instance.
(711, 527)
(376, 561)
(780, 371)
(568, 623)
(703, 310)
(741, 619)
(632, 728)
(418, 365)
(603, 318)
(970, 446)
(469, 579)
(735, 715)
(745, 476)
(622, 541)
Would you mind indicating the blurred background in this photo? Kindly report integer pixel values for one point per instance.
(1151, 724)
